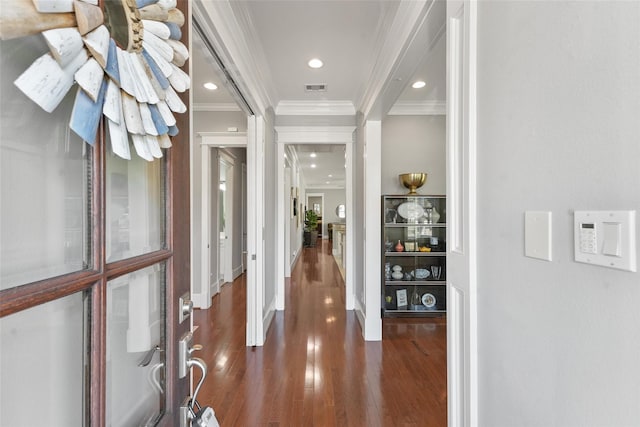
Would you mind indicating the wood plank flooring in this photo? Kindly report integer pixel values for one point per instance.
(315, 369)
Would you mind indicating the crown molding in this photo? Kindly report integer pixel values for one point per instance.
(324, 187)
(227, 139)
(315, 108)
(408, 16)
(228, 27)
(315, 134)
(226, 106)
(418, 108)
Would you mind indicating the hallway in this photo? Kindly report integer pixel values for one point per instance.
(315, 369)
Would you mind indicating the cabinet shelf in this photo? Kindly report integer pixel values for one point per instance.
(415, 283)
(415, 221)
(414, 254)
(413, 224)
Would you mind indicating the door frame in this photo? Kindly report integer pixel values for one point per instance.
(315, 135)
(225, 260)
(462, 333)
(211, 140)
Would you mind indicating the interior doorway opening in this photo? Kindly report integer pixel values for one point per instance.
(305, 183)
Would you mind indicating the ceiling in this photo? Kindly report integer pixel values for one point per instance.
(350, 37)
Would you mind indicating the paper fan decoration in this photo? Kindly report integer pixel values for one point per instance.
(125, 56)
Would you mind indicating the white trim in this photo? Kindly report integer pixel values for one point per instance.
(267, 319)
(409, 16)
(237, 272)
(252, 227)
(296, 256)
(315, 108)
(373, 233)
(216, 107)
(255, 231)
(281, 225)
(349, 266)
(223, 139)
(205, 237)
(314, 134)
(462, 332)
(419, 108)
(228, 26)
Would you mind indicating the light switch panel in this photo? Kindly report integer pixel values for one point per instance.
(537, 235)
(606, 238)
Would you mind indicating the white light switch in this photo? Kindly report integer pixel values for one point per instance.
(606, 238)
(537, 235)
(611, 236)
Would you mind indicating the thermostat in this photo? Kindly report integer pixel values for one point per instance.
(606, 238)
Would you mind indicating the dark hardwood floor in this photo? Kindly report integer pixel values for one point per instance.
(315, 369)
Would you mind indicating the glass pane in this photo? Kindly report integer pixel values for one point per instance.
(43, 357)
(135, 325)
(135, 207)
(43, 179)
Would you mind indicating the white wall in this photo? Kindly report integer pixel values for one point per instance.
(559, 130)
(414, 144)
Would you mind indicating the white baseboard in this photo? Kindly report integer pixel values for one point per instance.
(268, 319)
(360, 315)
(237, 272)
(295, 259)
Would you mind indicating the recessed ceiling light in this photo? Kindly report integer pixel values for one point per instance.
(315, 63)
(418, 85)
(328, 182)
(313, 155)
(313, 165)
(210, 86)
(330, 176)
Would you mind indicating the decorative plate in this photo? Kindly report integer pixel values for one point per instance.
(429, 300)
(410, 210)
(421, 273)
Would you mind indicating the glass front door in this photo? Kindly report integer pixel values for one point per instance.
(93, 259)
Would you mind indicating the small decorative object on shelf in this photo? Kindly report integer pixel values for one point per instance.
(414, 277)
(413, 181)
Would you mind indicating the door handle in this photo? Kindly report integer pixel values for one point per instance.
(147, 357)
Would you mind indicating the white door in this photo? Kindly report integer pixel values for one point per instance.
(255, 231)
(461, 214)
(225, 218)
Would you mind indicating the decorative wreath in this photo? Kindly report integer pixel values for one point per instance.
(125, 56)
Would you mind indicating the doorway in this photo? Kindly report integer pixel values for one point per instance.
(288, 172)
(225, 218)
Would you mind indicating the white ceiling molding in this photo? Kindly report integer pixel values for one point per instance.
(230, 106)
(315, 134)
(325, 187)
(418, 108)
(409, 17)
(229, 29)
(315, 108)
(226, 139)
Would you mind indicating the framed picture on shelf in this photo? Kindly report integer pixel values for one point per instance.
(401, 298)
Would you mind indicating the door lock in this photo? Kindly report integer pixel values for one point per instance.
(185, 349)
(185, 307)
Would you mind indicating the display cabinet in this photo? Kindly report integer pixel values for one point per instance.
(414, 255)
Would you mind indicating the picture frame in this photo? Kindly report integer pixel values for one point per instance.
(401, 298)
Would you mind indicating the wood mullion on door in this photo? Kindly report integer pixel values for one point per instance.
(98, 308)
(23, 297)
